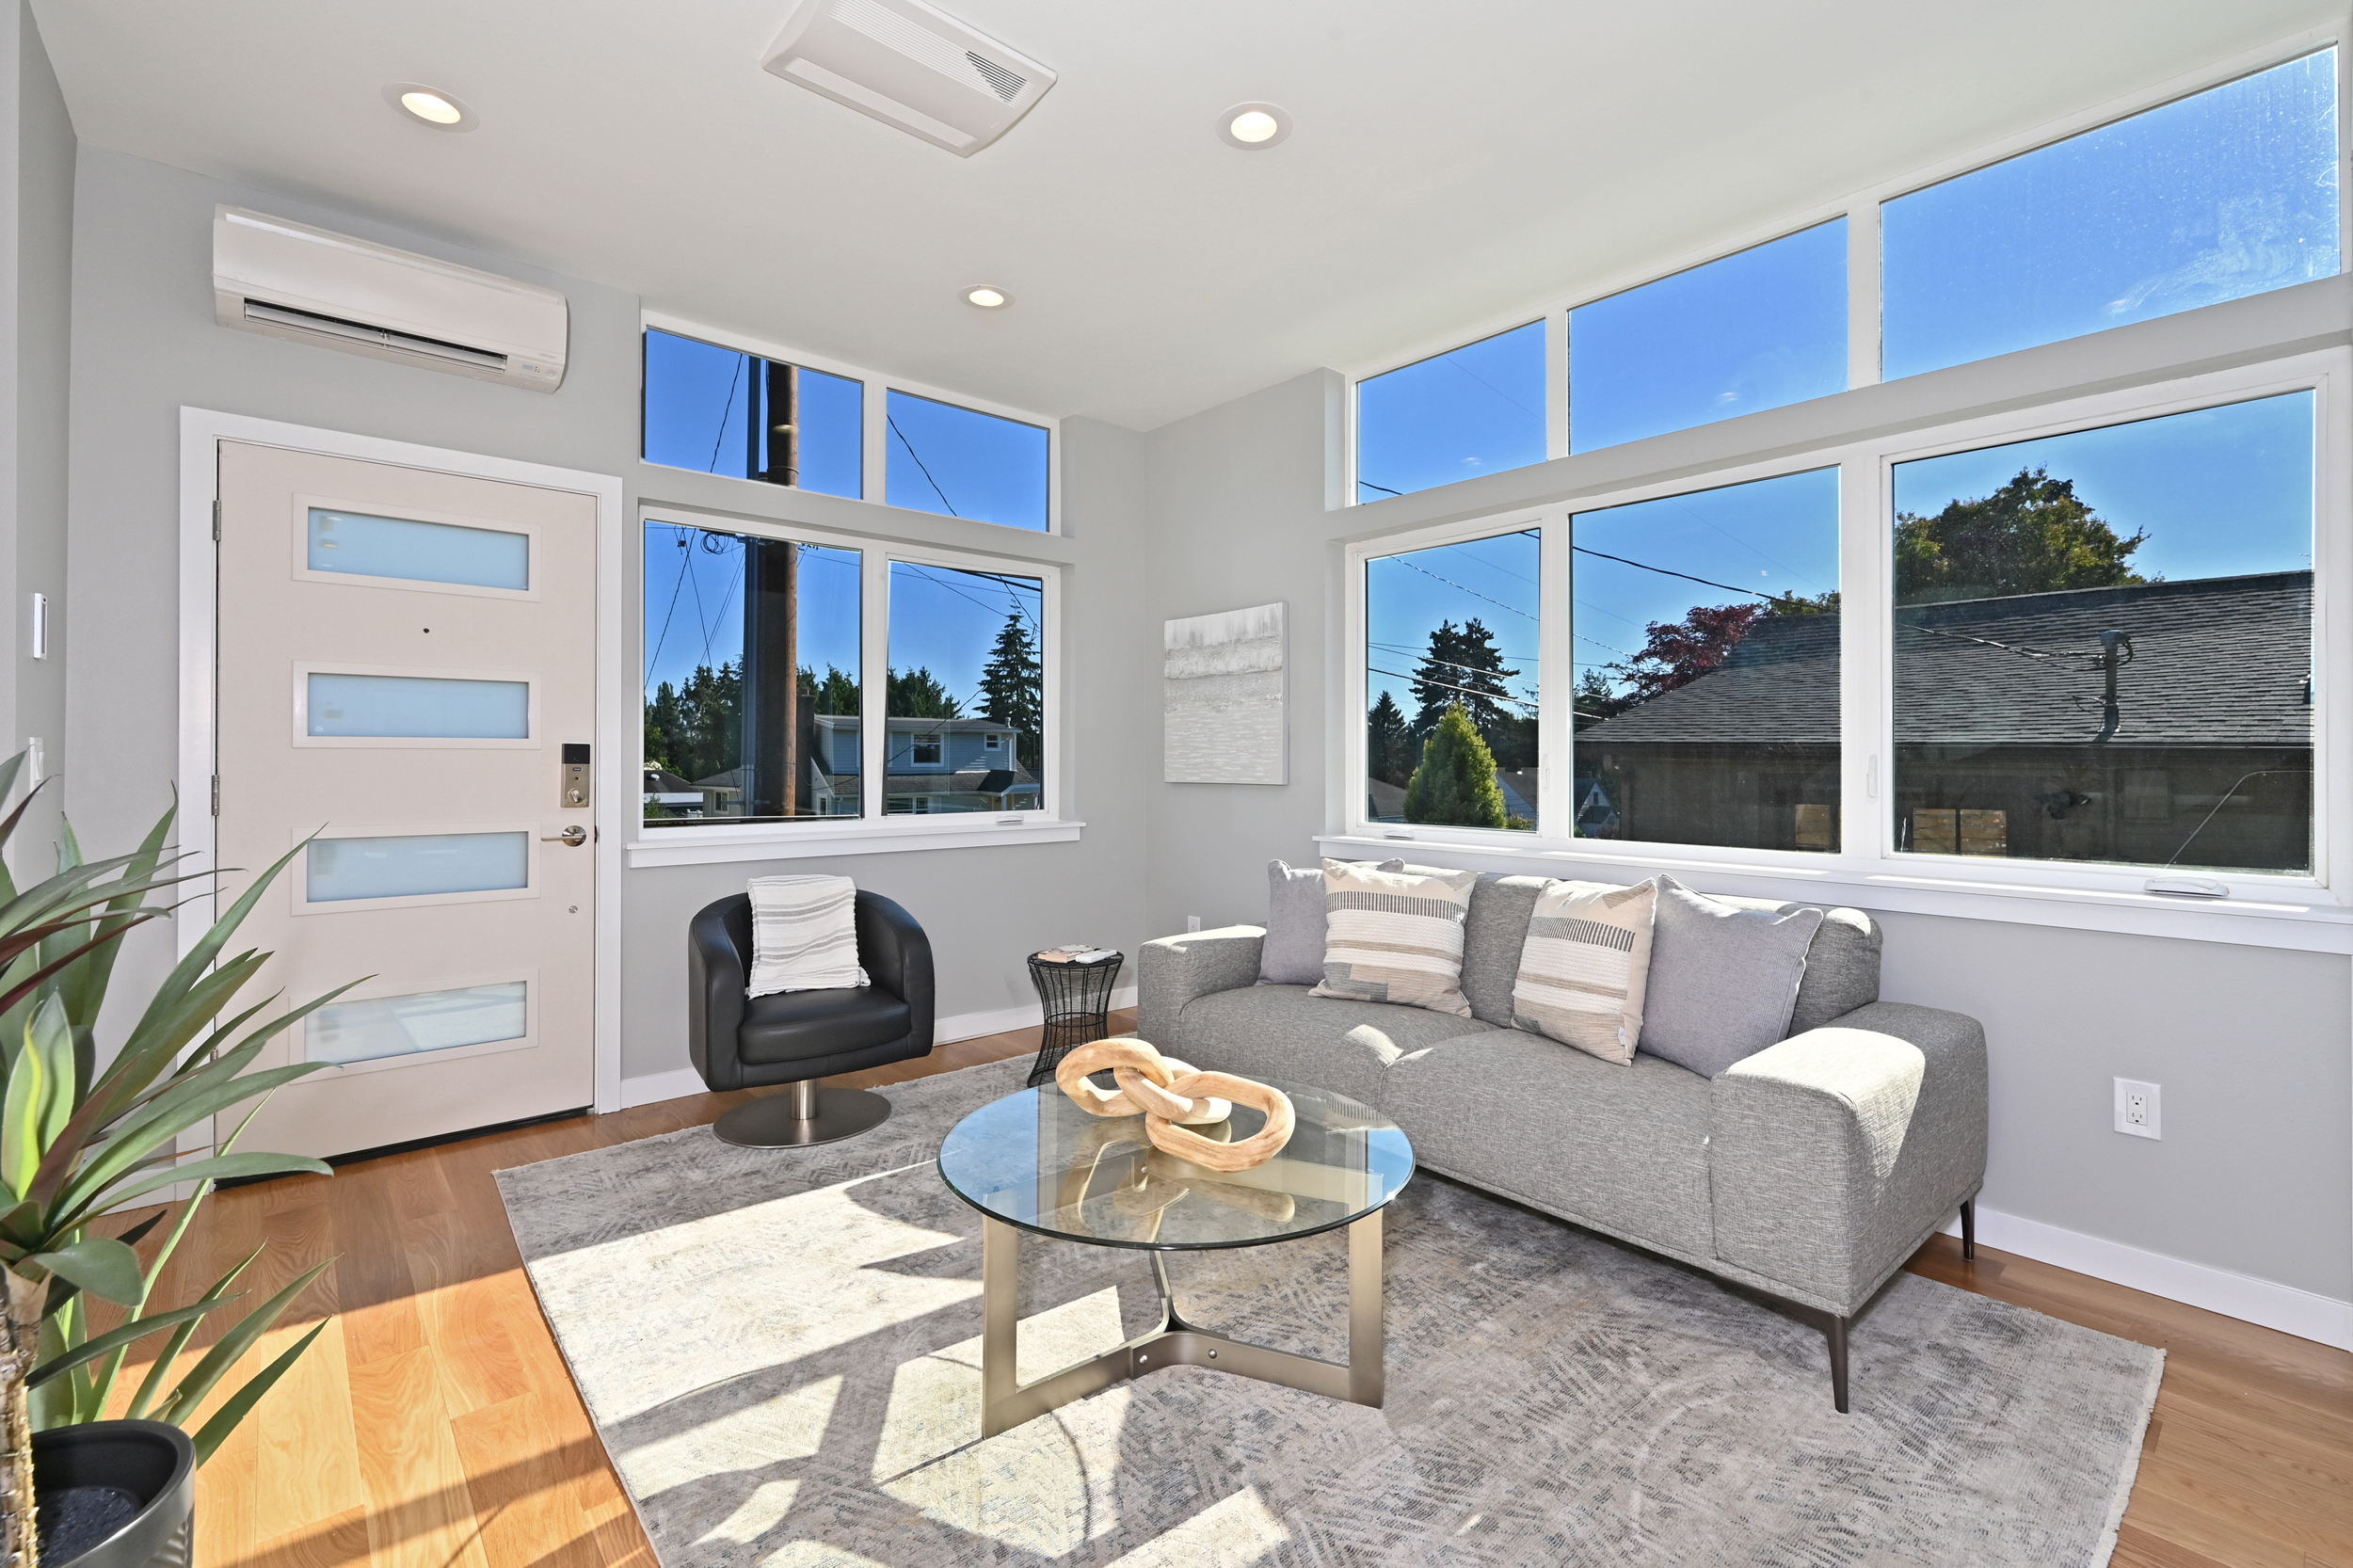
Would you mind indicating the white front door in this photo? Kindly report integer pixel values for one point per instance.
(407, 671)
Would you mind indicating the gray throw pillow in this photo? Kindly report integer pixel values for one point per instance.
(1292, 953)
(1722, 981)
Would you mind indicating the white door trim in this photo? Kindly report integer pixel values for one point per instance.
(201, 430)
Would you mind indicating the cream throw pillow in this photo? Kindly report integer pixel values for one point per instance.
(803, 934)
(1584, 967)
(1392, 936)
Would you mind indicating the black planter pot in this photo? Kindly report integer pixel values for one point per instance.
(115, 1495)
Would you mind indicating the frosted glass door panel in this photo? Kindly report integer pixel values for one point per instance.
(415, 865)
(366, 546)
(410, 707)
(348, 1031)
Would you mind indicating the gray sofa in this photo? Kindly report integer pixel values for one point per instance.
(1808, 1171)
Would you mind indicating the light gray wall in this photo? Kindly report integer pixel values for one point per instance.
(2255, 1172)
(145, 343)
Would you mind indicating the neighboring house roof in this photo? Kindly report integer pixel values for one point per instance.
(939, 727)
(2215, 661)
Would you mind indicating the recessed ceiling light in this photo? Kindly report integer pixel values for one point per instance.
(430, 106)
(1253, 126)
(987, 297)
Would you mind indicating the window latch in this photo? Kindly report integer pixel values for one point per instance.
(2185, 887)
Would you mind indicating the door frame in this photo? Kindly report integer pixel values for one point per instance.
(201, 431)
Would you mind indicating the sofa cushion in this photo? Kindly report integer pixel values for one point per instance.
(1584, 967)
(1292, 953)
(1395, 937)
(1724, 979)
(1623, 1149)
(1283, 1031)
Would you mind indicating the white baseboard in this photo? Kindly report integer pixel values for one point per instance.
(2255, 1300)
(971, 1026)
(676, 1084)
(681, 1081)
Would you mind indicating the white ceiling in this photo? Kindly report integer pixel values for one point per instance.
(1451, 163)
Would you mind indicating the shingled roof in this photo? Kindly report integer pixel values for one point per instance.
(2215, 661)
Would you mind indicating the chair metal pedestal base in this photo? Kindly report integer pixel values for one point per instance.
(1005, 1403)
(801, 1115)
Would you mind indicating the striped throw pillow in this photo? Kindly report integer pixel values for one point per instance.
(1584, 966)
(1394, 937)
(803, 934)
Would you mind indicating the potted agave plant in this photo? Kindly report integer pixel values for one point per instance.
(78, 1141)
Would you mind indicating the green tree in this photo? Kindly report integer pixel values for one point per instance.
(1462, 669)
(1013, 688)
(1455, 785)
(918, 694)
(2032, 535)
(695, 730)
(836, 694)
(1595, 700)
(1388, 743)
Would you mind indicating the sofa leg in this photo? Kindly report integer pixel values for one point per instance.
(1836, 1331)
(1969, 1229)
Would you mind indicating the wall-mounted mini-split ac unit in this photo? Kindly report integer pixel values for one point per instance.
(308, 285)
(911, 65)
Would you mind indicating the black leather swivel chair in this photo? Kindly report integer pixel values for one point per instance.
(798, 1037)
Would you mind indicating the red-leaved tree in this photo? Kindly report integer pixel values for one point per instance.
(1679, 652)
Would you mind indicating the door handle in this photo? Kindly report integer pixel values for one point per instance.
(574, 836)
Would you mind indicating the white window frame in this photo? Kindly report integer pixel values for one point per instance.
(872, 832)
(1860, 209)
(873, 448)
(1867, 869)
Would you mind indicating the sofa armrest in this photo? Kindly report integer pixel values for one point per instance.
(1173, 970)
(1832, 1154)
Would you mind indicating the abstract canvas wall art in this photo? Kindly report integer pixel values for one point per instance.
(1224, 715)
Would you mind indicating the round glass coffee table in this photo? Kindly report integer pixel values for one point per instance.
(1035, 1161)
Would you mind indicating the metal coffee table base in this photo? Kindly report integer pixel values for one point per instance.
(1005, 1404)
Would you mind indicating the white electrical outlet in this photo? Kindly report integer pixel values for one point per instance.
(2136, 1109)
(1193, 922)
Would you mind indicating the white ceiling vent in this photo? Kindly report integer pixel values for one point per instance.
(907, 63)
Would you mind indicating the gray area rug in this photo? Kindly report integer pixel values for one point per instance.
(781, 1350)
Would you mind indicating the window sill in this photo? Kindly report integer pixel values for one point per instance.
(711, 846)
(2307, 921)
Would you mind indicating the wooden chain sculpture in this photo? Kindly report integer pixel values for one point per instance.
(1167, 1094)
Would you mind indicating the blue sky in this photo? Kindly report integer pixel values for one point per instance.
(1773, 536)
(2230, 192)
(939, 457)
(695, 396)
(947, 621)
(1753, 330)
(2221, 491)
(1478, 409)
(1492, 580)
(695, 603)
(2210, 197)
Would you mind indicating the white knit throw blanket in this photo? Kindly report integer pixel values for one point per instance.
(803, 934)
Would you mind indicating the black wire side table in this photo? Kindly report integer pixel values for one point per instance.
(1077, 999)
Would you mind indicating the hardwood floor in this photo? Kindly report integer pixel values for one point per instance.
(434, 1424)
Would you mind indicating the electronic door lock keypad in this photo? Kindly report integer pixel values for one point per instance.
(575, 791)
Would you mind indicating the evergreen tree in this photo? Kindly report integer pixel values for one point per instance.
(918, 695)
(1388, 744)
(1462, 669)
(1595, 700)
(695, 730)
(1013, 688)
(2032, 535)
(1455, 785)
(836, 694)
